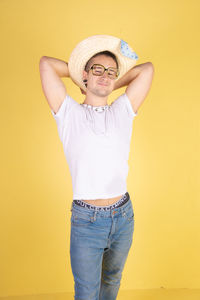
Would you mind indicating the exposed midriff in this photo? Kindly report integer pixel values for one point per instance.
(103, 202)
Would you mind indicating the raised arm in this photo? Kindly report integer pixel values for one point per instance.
(51, 71)
(138, 81)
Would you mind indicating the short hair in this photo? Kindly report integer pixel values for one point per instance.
(106, 53)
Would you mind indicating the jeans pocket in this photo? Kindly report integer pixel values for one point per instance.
(131, 218)
(129, 215)
(80, 219)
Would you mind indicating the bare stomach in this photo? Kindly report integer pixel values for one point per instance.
(103, 202)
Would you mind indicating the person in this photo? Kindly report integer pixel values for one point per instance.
(96, 140)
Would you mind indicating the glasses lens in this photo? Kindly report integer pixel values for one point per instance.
(97, 70)
(112, 73)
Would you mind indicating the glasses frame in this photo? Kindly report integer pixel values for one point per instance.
(105, 69)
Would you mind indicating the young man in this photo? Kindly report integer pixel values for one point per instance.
(96, 140)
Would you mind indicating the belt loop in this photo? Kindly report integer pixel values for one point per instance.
(123, 212)
(93, 218)
(95, 214)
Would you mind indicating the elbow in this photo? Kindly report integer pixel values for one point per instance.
(42, 59)
(150, 66)
(149, 69)
(43, 63)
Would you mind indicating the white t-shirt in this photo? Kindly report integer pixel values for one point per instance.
(96, 145)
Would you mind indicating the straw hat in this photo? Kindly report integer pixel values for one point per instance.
(126, 57)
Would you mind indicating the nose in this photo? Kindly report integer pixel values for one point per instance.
(105, 74)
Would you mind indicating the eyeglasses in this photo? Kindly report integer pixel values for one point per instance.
(98, 70)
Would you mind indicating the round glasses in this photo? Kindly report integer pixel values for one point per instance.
(98, 70)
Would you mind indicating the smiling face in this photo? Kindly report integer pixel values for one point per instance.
(100, 86)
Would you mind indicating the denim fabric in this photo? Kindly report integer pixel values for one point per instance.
(99, 246)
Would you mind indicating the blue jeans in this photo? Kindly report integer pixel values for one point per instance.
(99, 246)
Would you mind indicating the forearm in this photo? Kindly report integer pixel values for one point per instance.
(60, 66)
(131, 75)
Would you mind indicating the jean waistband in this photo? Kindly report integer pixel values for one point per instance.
(119, 203)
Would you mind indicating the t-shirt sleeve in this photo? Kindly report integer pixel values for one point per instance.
(63, 114)
(124, 103)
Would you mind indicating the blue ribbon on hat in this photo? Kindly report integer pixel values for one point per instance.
(126, 51)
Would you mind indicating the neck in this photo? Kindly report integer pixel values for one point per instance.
(95, 100)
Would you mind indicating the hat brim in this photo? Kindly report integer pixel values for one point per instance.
(126, 57)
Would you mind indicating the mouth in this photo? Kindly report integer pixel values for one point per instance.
(102, 83)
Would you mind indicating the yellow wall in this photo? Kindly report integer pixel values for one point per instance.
(164, 176)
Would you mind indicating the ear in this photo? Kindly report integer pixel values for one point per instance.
(85, 75)
(85, 78)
